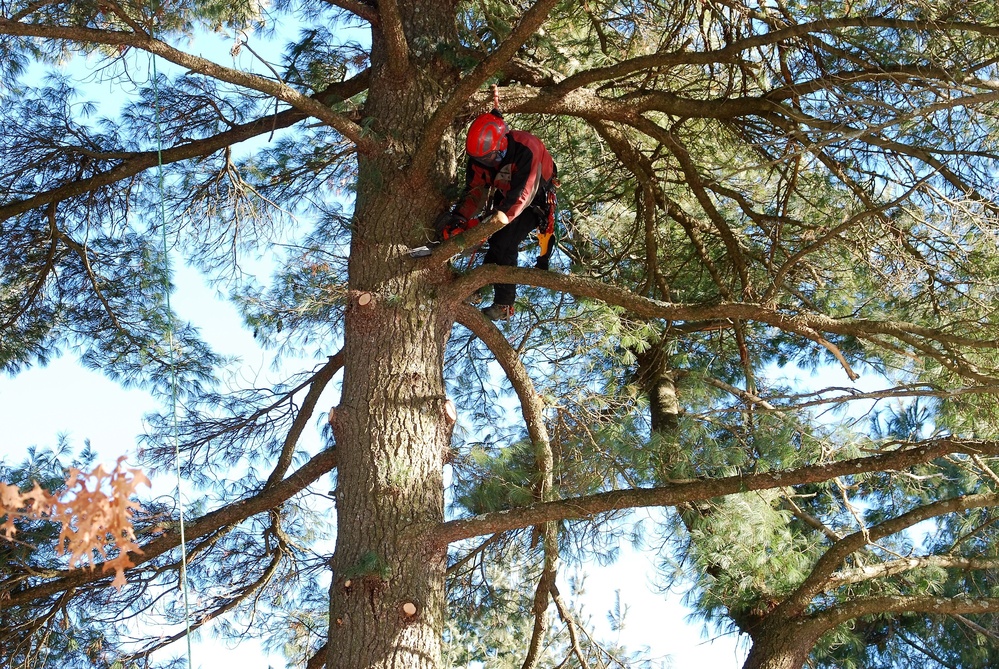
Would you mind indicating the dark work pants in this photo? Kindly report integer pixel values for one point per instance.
(504, 246)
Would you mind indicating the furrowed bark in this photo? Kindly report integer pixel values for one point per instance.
(392, 432)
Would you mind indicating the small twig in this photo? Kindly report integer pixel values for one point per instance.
(975, 626)
(853, 512)
(811, 520)
(474, 552)
(985, 468)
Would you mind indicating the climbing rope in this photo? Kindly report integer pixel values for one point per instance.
(173, 366)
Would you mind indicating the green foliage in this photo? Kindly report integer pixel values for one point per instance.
(820, 202)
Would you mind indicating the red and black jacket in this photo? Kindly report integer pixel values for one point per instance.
(522, 178)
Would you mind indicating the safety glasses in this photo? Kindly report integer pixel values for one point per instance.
(492, 158)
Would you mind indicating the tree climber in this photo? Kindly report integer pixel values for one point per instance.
(517, 168)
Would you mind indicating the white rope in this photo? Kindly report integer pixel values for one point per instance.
(173, 367)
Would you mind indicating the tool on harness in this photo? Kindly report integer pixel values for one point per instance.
(547, 230)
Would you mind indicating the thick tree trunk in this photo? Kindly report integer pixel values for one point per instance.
(781, 644)
(387, 593)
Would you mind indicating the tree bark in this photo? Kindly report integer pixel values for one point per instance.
(391, 429)
(783, 645)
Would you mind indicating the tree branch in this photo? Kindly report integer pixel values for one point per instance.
(566, 615)
(701, 489)
(805, 324)
(318, 659)
(303, 103)
(460, 243)
(396, 46)
(895, 567)
(236, 512)
(531, 405)
(540, 607)
(205, 618)
(445, 114)
(730, 53)
(823, 571)
(533, 412)
(862, 606)
(316, 387)
(733, 246)
(359, 9)
(139, 162)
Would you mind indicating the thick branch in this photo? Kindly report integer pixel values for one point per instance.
(359, 9)
(863, 606)
(532, 409)
(701, 489)
(903, 565)
(807, 325)
(396, 46)
(823, 572)
(318, 659)
(539, 608)
(531, 405)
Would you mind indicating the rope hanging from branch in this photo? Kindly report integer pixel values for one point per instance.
(173, 362)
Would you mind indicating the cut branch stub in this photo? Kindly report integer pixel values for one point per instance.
(409, 609)
(364, 299)
(450, 412)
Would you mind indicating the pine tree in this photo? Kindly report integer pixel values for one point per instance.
(749, 190)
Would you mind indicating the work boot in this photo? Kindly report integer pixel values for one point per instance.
(498, 312)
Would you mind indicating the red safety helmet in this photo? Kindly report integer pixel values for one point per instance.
(486, 135)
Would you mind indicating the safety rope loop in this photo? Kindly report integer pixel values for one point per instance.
(171, 346)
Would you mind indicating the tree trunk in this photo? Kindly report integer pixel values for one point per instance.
(781, 644)
(777, 643)
(658, 381)
(387, 593)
